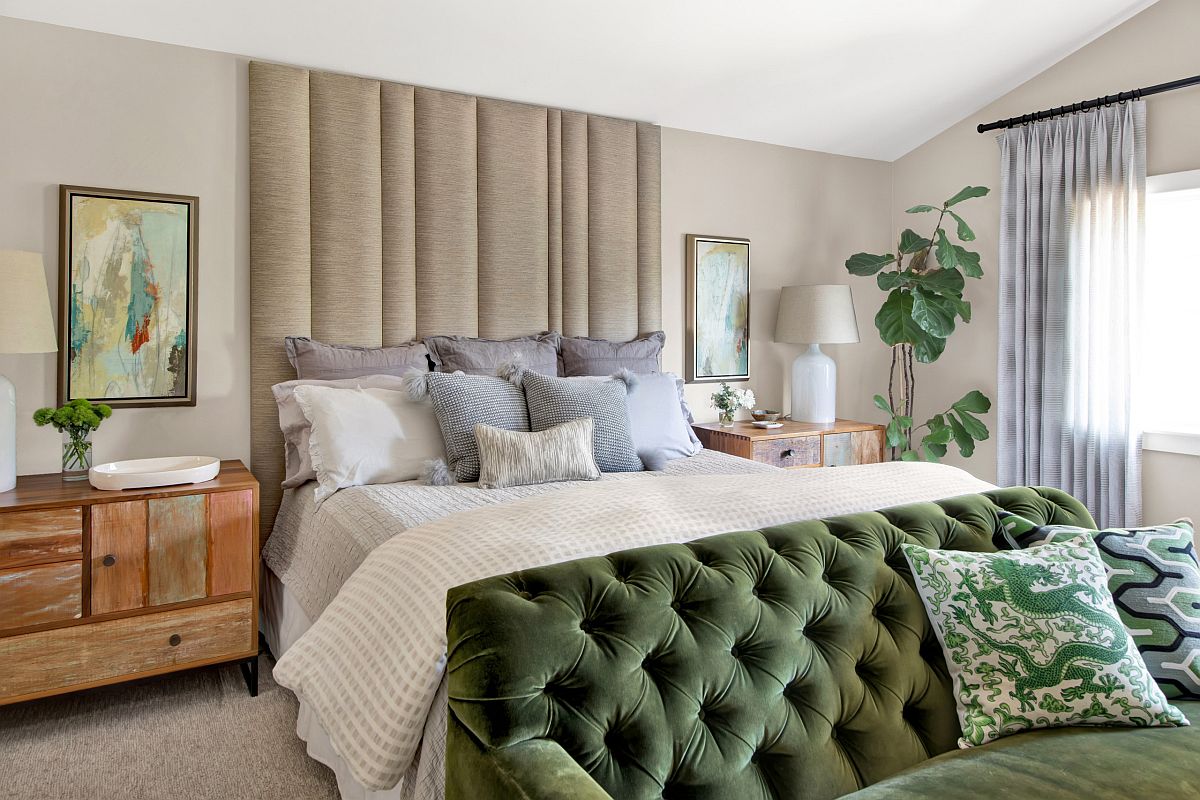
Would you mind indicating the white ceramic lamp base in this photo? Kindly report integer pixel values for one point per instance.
(814, 386)
(8, 435)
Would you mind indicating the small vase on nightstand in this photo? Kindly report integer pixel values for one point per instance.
(726, 419)
(76, 457)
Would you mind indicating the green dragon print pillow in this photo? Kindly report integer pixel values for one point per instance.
(1155, 582)
(1032, 640)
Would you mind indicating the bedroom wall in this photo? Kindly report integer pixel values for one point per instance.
(1156, 45)
(101, 110)
(804, 212)
(98, 110)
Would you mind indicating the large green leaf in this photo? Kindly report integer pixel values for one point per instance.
(867, 264)
(895, 320)
(964, 230)
(882, 404)
(929, 348)
(911, 241)
(934, 313)
(953, 256)
(975, 402)
(909, 455)
(963, 307)
(939, 431)
(921, 209)
(973, 426)
(933, 451)
(966, 193)
(890, 280)
(941, 281)
(966, 445)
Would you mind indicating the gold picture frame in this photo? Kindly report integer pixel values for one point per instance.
(717, 323)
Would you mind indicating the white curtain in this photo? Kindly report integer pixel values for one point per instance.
(1072, 197)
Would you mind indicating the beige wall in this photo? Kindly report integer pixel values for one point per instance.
(100, 110)
(96, 110)
(1157, 45)
(803, 213)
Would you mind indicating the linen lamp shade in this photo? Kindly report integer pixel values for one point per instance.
(815, 315)
(26, 326)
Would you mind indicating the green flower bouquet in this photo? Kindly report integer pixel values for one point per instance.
(75, 421)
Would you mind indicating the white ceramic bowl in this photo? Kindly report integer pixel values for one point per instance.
(146, 472)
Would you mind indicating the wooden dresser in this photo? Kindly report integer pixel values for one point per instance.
(798, 444)
(102, 587)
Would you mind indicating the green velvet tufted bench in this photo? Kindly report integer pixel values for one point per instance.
(793, 661)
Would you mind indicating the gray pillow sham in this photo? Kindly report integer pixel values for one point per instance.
(460, 402)
(517, 458)
(315, 360)
(553, 401)
(483, 356)
(581, 355)
(659, 429)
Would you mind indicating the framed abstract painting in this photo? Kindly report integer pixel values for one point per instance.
(127, 283)
(718, 309)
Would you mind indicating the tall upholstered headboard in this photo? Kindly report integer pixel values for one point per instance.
(381, 212)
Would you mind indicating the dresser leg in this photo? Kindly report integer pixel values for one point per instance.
(250, 673)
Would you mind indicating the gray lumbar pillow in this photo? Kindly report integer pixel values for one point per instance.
(516, 458)
(482, 356)
(553, 401)
(327, 362)
(460, 402)
(582, 355)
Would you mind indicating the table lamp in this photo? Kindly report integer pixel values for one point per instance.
(815, 315)
(26, 326)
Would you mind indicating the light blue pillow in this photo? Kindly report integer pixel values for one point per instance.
(656, 421)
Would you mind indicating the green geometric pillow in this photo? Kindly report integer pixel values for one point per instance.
(1032, 640)
(1155, 582)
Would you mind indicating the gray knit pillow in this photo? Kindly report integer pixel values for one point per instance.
(460, 402)
(553, 401)
(516, 458)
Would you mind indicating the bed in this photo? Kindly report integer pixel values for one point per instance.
(382, 213)
(368, 671)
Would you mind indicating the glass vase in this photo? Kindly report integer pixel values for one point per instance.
(76, 457)
(725, 418)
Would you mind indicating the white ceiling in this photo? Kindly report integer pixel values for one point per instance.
(871, 78)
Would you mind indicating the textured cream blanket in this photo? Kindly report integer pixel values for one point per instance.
(371, 665)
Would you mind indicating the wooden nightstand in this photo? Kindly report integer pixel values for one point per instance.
(103, 587)
(798, 445)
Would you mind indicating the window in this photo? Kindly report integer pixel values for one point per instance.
(1170, 379)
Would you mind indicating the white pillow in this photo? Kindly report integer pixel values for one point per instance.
(297, 466)
(362, 436)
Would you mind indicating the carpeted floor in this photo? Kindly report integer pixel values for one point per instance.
(194, 735)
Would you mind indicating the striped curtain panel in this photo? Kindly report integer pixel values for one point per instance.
(1072, 196)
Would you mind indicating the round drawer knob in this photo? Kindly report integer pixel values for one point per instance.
(787, 453)
(175, 640)
(109, 560)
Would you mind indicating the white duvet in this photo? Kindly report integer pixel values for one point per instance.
(371, 666)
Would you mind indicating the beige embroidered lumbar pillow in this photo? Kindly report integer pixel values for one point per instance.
(518, 458)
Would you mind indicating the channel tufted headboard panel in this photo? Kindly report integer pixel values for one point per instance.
(381, 212)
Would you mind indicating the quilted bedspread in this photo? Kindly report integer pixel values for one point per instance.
(371, 666)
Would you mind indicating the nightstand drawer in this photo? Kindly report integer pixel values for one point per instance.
(46, 661)
(41, 593)
(797, 451)
(36, 537)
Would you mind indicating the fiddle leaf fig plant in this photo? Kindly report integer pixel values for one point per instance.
(925, 279)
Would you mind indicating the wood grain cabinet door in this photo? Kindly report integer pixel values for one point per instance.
(230, 542)
(118, 556)
(178, 549)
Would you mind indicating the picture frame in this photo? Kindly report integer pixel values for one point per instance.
(717, 322)
(128, 264)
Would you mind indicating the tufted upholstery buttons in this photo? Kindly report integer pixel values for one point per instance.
(525, 595)
(810, 682)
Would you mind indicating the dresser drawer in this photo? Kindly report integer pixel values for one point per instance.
(36, 663)
(35, 537)
(797, 451)
(40, 593)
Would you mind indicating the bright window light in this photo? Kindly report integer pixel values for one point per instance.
(1169, 385)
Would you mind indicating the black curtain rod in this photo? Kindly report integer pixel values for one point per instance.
(1108, 99)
